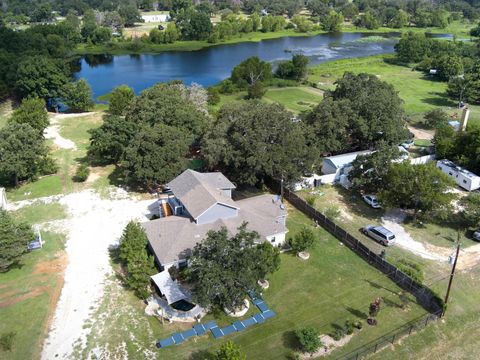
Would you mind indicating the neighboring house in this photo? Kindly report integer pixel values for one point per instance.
(464, 178)
(201, 202)
(156, 18)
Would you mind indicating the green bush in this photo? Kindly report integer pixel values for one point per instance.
(309, 339)
(310, 199)
(82, 173)
(338, 334)
(349, 327)
(412, 269)
(358, 324)
(303, 240)
(332, 212)
(6, 340)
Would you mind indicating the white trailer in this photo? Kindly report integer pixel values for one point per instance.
(464, 178)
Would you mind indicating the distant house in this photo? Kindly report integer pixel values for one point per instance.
(464, 178)
(340, 165)
(155, 18)
(200, 202)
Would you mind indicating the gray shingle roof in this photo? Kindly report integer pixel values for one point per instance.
(173, 238)
(200, 191)
(344, 159)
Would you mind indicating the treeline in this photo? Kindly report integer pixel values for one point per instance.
(151, 139)
(456, 62)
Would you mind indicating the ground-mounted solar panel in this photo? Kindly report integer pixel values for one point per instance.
(268, 314)
(217, 332)
(210, 325)
(257, 301)
(249, 322)
(227, 330)
(165, 342)
(262, 306)
(259, 318)
(239, 326)
(189, 333)
(199, 329)
(178, 338)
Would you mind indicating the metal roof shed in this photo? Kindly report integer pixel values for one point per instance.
(168, 287)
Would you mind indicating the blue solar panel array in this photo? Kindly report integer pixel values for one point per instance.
(217, 332)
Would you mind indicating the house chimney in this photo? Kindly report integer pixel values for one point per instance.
(464, 121)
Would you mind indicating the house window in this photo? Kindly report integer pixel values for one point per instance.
(182, 264)
(450, 173)
(464, 181)
(273, 240)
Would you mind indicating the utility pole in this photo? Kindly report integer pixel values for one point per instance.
(452, 274)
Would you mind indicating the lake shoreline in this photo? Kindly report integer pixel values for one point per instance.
(124, 48)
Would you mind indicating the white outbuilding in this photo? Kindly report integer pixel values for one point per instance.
(464, 178)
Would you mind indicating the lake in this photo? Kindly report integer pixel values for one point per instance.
(211, 65)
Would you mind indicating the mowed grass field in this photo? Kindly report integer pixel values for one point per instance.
(419, 92)
(28, 295)
(332, 286)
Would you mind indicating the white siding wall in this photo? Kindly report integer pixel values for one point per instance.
(279, 239)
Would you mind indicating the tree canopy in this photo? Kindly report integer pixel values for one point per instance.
(121, 99)
(32, 111)
(360, 113)
(156, 154)
(421, 188)
(14, 238)
(78, 96)
(252, 140)
(223, 268)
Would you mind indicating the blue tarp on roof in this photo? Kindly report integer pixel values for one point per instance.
(216, 332)
(165, 342)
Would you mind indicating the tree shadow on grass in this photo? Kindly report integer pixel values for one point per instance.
(357, 313)
(202, 355)
(439, 100)
(354, 203)
(378, 286)
(290, 340)
(391, 303)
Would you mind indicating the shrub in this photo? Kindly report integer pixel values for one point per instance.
(303, 240)
(357, 324)
(348, 327)
(310, 199)
(332, 212)
(412, 269)
(6, 340)
(338, 334)
(309, 339)
(82, 173)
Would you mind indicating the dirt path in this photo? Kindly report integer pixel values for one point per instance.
(94, 226)
(467, 259)
(53, 132)
(422, 134)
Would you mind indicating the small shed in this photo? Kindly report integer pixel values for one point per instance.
(335, 164)
(464, 178)
(3, 199)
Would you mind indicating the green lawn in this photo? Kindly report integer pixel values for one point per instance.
(419, 92)
(27, 298)
(332, 286)
(41, 212)
(295, 99)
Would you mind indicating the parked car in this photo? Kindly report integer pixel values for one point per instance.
(380, 234)
(372, 201)
(476, 235)
(407, 143)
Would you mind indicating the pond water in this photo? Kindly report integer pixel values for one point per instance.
(211, 65)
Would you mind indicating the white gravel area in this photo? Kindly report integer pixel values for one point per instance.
(94, 225)
(53, 132)
(392, 221)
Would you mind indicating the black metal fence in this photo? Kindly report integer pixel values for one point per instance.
(389, 338)
(424, 295)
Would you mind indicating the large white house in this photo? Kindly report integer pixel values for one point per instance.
(464, 178)
(155, 18)
(201, 202)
